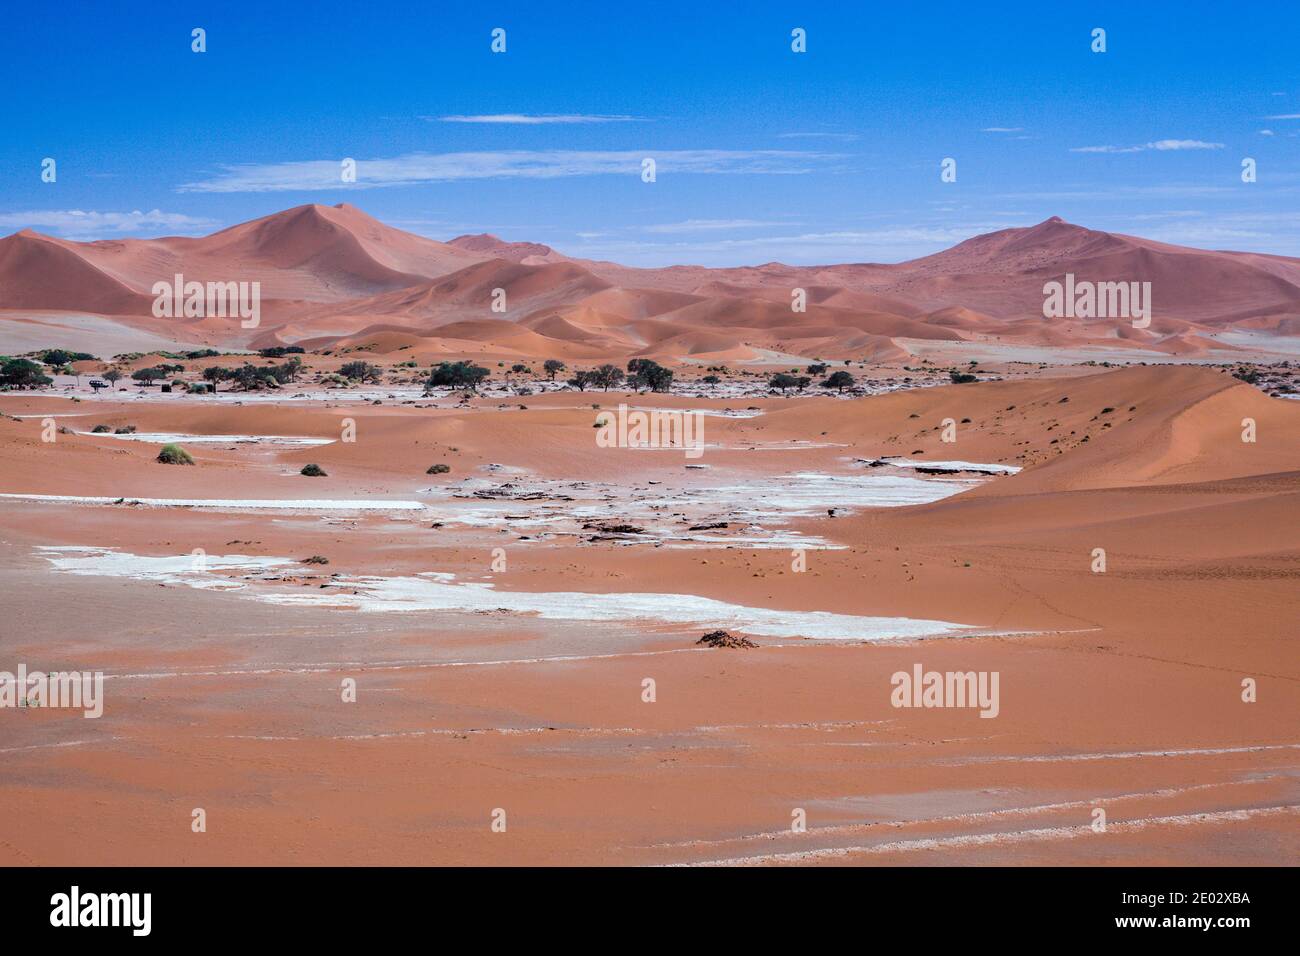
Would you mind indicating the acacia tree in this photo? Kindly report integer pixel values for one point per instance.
(553, 367)
(782, 381)
(581, 379)
(838, 380)
(215, 374)
(147, 376)
(23, 373)
(361, 371)
(645, 373)
(456, 375)
(607, 376)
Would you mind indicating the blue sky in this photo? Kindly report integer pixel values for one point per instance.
(763, 154)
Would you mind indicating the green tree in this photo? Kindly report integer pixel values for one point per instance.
(607, 376)
(456, 375)
(839, 381)
(23, 373)
(360, 371)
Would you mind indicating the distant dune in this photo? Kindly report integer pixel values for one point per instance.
(332, 274)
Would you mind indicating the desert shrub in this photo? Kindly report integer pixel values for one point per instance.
(316, 559)
(313, 471)
(124, 430)
(961, 378)
(100, 429)
(174, 455)
(438, 469)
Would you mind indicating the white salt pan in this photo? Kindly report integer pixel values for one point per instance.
(441, 592)
(232, 504)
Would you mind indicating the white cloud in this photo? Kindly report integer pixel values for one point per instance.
(84, 223)
(1107, 149)
(525, 119)
(1266, 132)
(1162, 145)
(417, 168)
(1284, 116)
(1183, 144)
(1003, 129)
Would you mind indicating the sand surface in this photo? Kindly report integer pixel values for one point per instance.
(505, 669)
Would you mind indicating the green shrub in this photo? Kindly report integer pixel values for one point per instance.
(174, 455)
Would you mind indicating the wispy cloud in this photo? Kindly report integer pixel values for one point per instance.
(839, 137)
(1088, 193)
(888, 243)
(89, 224)
(1003, 129)
(1284, 116)
(710, 225)
(1259, 231)
(526, 119)
(1161, 145)
(417, 168)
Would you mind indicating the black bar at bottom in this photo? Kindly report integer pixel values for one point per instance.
(333, 905)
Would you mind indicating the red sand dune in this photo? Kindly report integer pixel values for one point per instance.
(332, 272)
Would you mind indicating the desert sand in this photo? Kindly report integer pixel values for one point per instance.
(1120, 690)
